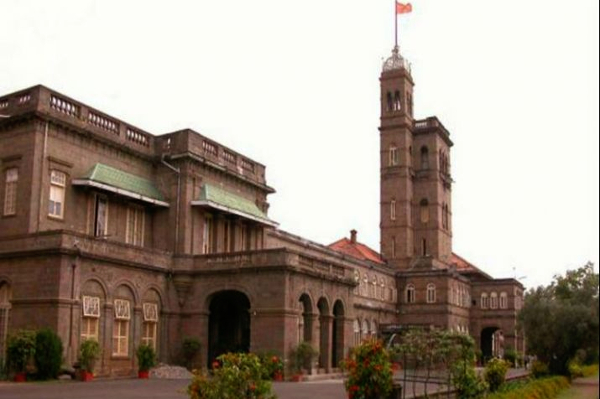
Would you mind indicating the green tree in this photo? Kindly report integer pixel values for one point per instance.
(562, 318)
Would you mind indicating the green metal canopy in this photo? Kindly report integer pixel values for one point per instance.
(218, 198)
(114, 180)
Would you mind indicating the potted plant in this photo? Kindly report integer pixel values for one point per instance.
(89, 352)
(302, 358)
(146, 358)
(20, 351)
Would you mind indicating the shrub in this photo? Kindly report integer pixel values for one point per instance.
(495, 373)
(539, 369)
(272, 363)
(89, 352)
(589, 370)
(20, 349)
(146, 357)
(302, 357)
(190, 349)
(511, 357)
(369, 371)
(575, 369)
(546, 388)
(468, 384)
(234, 375)
(48, 354)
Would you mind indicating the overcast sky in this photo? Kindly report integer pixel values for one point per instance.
(294, 85)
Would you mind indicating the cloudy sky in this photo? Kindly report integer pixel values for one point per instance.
(294, 85)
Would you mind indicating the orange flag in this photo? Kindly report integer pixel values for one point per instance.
(403, 8)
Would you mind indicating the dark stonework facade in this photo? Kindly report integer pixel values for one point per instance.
(111, 233)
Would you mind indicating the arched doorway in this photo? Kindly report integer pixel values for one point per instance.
(228, 324)
(305, 321)
(337, 339)
(491, 342)
(324, 333)
(5, 296)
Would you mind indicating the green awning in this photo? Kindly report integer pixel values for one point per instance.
(217, 198)
(114, 180)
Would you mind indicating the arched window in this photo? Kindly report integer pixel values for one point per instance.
(382, 288)
(365, 329)
(424, 210)
(484, 301)
(397, 101)
(503, 300)
(431, 295)
(493, 300)
(373, 329)
(393, 155)
(373, 287)
(393, 210)
(356, 332)
(410, 293)
(365, 285)
(389, 103)
(424, 157)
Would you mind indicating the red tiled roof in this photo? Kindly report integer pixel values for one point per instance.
(356, 250)
(462, 263)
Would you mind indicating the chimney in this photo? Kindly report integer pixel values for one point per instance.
(353, 236)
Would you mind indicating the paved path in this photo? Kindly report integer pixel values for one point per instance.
(160, 389)
(582, 388)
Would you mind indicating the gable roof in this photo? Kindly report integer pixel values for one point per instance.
(356, 250)
(464, 266)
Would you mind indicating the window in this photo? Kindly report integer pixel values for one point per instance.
(365, 285)
(393, 156)
(390, 104)
(382, 288)
(373, 287)
(149, 325)
(424, 247)
(431, 297)
(493, 300)
(356, 332)
(5, 296)
(393, 247)
(393, 210)
(120, 342)
(135, 225)
(424, 211)
(503, 300)
(424, 158)
(90, 318)
(373, 329)
(397, 101)
(410, 293)
(100, 216)
(10, 191)
(56, 204)
(365, 329)
(208, 235)
(484, 301)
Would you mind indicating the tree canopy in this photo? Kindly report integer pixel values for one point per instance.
(561, 320)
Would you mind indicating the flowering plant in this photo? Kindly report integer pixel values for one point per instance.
(234, 375)
(273, 365)
(369, 371)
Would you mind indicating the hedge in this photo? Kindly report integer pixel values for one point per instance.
(545, 388)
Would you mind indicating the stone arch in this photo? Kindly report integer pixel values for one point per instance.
(228, 323)
(152, 307)
(210, 294)
(325, 319)
(119, 289)
(491, 339)
(305, 319)
(338, 338)
(5, 306)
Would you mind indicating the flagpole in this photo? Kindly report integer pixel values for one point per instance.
(395, 25)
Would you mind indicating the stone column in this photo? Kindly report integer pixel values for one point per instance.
(325, 322)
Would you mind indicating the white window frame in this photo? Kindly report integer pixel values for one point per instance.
(503, 300)
(410, 294)
(393, 156)
(57, 194)
(484, 300)
(100, 229)
(431, 293)
(10, 191)
(393, 209)
(120, 338)
(135, 225)
(493, 300)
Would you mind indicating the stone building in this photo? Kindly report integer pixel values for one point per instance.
(111, 233)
